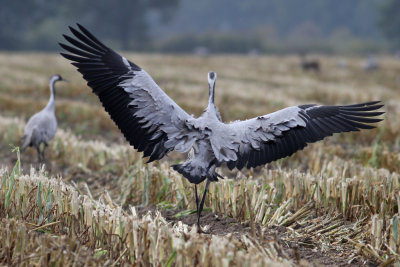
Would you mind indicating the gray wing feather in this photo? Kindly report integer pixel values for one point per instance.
(267, 138)
(156, 109)
(228, 140)
(150, 120)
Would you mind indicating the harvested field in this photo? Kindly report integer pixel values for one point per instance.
(96, 202)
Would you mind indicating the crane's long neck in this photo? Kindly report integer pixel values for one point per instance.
(211, 105)
(50, 104)
(211, 95)
(212, 77)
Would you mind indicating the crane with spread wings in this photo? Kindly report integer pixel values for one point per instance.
(153, 123)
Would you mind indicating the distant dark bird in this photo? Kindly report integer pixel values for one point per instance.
(308, 64)
(153, 123)
(42, 126)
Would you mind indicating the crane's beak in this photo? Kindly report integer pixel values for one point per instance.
(64, 80)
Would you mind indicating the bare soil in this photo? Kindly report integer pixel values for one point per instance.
(297, 249)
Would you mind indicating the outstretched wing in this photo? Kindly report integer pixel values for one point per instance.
(267, 138)
(149, 119)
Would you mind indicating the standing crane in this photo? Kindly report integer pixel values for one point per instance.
(42, 126)
(153, 123)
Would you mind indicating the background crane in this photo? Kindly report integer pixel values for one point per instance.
(42, 126)
(153, 123)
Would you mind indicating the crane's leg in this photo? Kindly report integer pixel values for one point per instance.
(200, 208)
(44, 148)
(197, 198)
(197, 208)
(38, 152)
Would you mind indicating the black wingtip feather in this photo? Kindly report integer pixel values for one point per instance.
(365, 104)
(86, 40)
(104, 69)
(91, 36)
(85, 55)
(362, 113)
(361, 108)
(82, 46)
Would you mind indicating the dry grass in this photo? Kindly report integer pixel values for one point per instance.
(339, 197)
(78, 230)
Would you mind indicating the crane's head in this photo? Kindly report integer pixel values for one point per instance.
(56, 78)
(212, 77)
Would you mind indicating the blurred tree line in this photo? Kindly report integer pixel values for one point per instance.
(283, 17)
(38, 24)
(236, 26)
(328, 26)
(389, 21)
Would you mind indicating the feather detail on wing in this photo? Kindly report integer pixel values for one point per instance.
(277, 135)
(150, 120)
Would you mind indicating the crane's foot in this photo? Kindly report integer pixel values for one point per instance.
(201, 231)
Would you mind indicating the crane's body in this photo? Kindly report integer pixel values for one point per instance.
(153, 123)
(42, 126)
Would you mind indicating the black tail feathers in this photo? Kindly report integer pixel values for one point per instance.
(196, 174)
